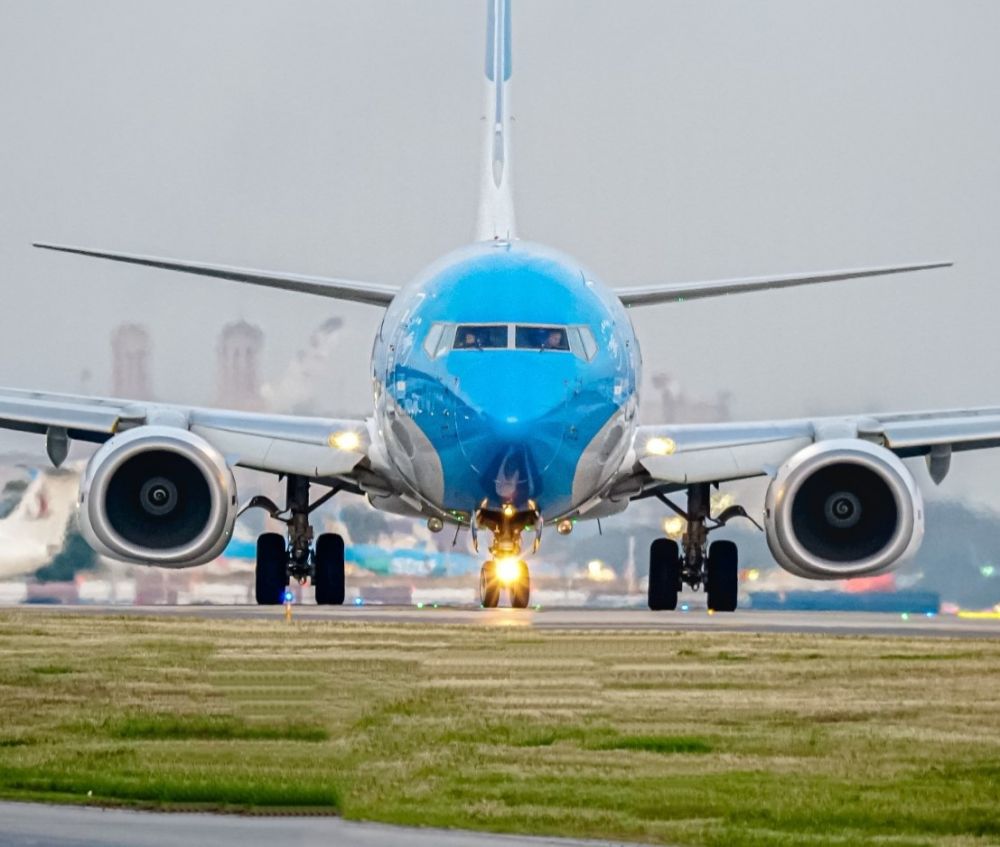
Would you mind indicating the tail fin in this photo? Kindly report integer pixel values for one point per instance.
(41, 517)
(496, 205)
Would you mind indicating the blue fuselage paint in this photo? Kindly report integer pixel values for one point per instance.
(507, 425)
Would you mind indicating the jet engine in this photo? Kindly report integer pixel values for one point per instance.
(158, 495)
(843, 508)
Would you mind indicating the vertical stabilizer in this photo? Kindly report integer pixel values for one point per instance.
(496, 205)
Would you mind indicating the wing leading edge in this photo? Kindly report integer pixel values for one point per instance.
(314, 447)
(677, 292)
(690, 453)
(371, 293)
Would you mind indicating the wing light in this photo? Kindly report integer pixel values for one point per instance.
(348, 440)
(657, 446)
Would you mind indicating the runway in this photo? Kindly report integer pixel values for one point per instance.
(831, 623)
(38, 825)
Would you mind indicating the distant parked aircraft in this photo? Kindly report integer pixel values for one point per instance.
(36, 529)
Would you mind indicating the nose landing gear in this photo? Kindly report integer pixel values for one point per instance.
(506, 568)
(279, 560)
(695, 562)
(510, 573)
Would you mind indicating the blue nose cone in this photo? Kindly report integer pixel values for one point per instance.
(511, 419)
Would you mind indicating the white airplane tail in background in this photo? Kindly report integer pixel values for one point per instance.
(36, 530)
(496, 203)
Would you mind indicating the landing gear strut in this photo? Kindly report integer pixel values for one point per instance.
(695, 562)
(298, 558)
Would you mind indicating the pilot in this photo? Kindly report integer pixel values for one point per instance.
(470, 339)
(555, 340)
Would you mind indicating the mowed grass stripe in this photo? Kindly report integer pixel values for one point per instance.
(746, 739)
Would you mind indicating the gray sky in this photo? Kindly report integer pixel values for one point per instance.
(655, 140)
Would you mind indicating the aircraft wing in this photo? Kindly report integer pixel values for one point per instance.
(686, 453)
(372, 293)
(315, 447)
(677, 292)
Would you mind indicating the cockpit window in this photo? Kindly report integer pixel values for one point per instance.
(541, 338)
(481, 336)
(439, 338)
(589, 344)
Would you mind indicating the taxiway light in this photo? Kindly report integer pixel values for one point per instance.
(347, 440)
(660, 446)
(508, 569)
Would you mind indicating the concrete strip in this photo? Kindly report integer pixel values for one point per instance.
(832, 623)
(39, 825)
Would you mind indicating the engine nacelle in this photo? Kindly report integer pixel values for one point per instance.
(843, 508)
(158, 495)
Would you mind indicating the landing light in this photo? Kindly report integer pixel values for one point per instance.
(508, 510)
(660, 446)
(674, 526)
(347, 440)
(508, 569)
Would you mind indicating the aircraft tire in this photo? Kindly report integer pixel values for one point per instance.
(328, 569)
(520, 591)
(489, 587)
(722, 585)
(664, 574)
(272, 569)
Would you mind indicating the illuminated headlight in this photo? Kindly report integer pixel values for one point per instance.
(660, 446)
(508, 569)
(674, 526)
(348, 440)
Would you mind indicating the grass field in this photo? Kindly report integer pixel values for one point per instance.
(688, 738)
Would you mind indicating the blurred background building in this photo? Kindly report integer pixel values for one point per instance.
(238, 363)
(130, 362)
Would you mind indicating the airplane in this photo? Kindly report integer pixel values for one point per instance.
(506, 391)
(36, 528)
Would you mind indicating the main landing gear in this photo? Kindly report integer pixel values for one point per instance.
(279, 560)
(694, 561)
(506, 568)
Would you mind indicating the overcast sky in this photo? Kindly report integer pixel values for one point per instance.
(655, 140)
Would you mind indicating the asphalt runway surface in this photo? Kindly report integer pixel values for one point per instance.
(831, 623)
(39, 825)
